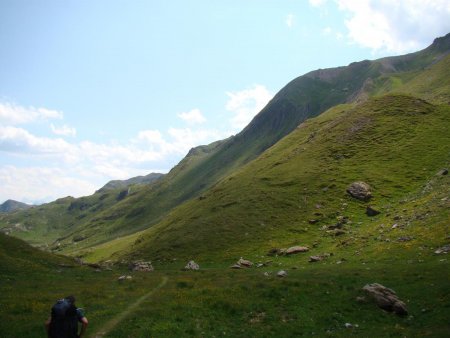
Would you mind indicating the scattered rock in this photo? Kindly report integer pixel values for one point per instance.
(266, 274)
(405, 239)
(312, 221)
(282, 273)
(348, 325)
(192, 266)
(443, 250)
(386, 298)
(395, 226)
(235, 266)
(318, 258)
(141, 266)
(244, 262)
(296, 249)
(371, 211)
(443, 172)
(124, 277)
(360, 190)
(336, 232)
(273, 252)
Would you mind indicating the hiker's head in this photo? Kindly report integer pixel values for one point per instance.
(70, 299)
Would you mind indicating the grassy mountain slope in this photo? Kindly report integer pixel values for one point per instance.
(50, 224)
(396, 143)
(122, 184)
(305, 97)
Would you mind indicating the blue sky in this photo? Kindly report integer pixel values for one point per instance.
(97, 90)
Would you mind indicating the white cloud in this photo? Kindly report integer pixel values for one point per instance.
(34, 184)
(192, 117)
(317, 3)
(393, 26)
(245, 104)
(327, 31)
(78, 168)
(64, 130)
(12, 114)
(289, 20)
(19, 140)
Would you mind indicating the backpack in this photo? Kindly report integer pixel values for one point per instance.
(64, 323)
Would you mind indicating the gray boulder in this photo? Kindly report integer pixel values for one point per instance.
(360, 190)
(443, 250)
(282, 273)
(386, 298)
(296, 249)
(192, 266)
(245, 263)
(141, 266)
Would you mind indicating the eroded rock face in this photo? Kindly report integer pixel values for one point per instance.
(360, 190)
(192, 266)
(141, 266)
(386, 298)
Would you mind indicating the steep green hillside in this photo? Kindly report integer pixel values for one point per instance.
(122, 184)
(395, 143)
(305, 97)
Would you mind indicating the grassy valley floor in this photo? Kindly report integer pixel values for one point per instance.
(315, 299)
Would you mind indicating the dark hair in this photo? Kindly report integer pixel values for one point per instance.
(70, 299)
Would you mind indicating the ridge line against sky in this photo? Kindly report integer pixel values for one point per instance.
(95, 91)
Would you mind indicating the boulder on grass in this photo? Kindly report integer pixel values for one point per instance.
(141, 266)
(282, 273)
(296, 249)
(244, 262)
(386, 298)
(360, 190)
(191, 265)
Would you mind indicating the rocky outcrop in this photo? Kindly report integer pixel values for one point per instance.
(360, 190)
(141, 266)
(385, 298)
(191, 265)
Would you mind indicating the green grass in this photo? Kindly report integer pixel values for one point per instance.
(313, 300)
(396, 143)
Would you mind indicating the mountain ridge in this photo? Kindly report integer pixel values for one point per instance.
(204, 167)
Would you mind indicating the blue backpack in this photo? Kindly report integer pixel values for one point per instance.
(64, 323)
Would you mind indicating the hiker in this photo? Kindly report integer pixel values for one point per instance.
(63, 322)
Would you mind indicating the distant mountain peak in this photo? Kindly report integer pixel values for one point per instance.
(11, 205)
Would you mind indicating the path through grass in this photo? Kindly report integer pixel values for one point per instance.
(116, 320)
